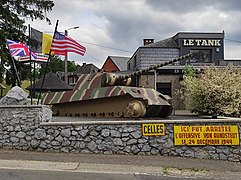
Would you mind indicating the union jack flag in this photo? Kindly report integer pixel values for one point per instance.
(17, 48)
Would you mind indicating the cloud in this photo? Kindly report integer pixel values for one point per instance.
(124, 24)
(176, 7)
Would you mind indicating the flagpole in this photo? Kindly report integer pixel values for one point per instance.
(30, 67)
(34, 72)
(40, 93)
(14, 66)
(34, 78)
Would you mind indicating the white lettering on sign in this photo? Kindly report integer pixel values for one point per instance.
(201, 42)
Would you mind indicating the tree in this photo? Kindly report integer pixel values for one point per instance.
(215, 91)
(71, 66)
(12, 14)
(56, 64)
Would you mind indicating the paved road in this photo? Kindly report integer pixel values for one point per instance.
(13, 174)
(24, 164)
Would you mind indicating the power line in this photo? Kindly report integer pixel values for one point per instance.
(93, 57)
(237, 41)
(106, 46)
(99, 45)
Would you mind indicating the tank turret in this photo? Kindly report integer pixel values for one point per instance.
(104, 94)
(115, 79)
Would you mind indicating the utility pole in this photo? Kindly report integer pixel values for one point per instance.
(66, 57)
(66, 62)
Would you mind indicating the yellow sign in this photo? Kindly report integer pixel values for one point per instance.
(153, 130)
(206, 135)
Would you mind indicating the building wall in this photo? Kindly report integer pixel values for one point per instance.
(148, 82)
(230, 62)
(109, 66)
(153, 56)
(146, 57)
(201, 41)
(134, 62)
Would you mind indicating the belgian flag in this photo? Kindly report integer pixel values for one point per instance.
(40, 42)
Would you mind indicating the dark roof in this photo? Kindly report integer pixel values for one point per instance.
(86, 69)
(51, 83)
(169, 43)
(120, 62)
(196, 35)
(60, 74)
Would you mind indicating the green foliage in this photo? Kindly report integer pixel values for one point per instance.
(189, 71)
(215, 91)
(7, 88)
(25, 84)
(12, 15)
(71, 66)
(56, 64)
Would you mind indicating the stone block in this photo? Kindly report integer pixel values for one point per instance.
(66, 133)
(40, 134)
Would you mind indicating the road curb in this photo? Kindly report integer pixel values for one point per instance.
(37, 165)
(117, 169)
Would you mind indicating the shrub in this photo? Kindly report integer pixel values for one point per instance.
(214, 91)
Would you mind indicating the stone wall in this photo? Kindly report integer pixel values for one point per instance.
(18, 124)
(26, 129)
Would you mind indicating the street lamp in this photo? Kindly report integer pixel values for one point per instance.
(66, 57)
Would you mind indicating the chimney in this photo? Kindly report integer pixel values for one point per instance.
(148, 41)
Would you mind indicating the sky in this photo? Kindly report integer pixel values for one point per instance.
(118, 27)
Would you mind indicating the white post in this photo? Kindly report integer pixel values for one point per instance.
(155, 79)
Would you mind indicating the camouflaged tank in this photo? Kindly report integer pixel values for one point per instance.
(110, 95)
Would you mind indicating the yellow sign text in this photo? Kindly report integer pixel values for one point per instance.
(153, 130)
(206, 135)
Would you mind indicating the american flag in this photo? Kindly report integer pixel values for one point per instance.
(17, 48)
(62, 44)
(40, 58)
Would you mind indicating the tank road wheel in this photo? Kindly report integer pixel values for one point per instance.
(136, 108)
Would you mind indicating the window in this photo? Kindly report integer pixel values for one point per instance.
(135, 61)
(201, 56)
(129, 66)
(72, 80)
(164, 88)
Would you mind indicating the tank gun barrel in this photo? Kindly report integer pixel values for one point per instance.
(187, 56)
(114, 79)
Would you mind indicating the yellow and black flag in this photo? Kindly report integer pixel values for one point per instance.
(40, 42)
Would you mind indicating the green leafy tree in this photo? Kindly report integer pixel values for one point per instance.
(71, 66)
(215, 91)
(12, 19)
(55, 65)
